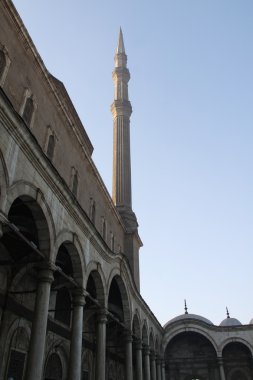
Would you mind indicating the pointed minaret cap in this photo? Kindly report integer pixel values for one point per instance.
(185, 307)
(120, 47)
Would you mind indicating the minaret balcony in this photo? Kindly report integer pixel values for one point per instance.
(121, 108)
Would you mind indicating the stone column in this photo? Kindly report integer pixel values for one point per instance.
(158, 368)
(163, 369)
(75, 357)
(138, 352)
(39, 325)
(101, 344)
(153, 366)
(146, 352)
(221, 368)
(128, 356)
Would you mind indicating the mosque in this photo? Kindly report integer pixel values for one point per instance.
(70, 302)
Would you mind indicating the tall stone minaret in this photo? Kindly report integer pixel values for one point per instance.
(121, 190)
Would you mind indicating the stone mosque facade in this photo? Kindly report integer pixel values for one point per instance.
(70, 305)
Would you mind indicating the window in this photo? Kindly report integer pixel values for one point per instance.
(103, 228)
(2, 63)
(50, 147)
(53, 368)
(75, 184)
(16, 364)
(74, 181)
(92, 210)
(28, 110)
(112, 241)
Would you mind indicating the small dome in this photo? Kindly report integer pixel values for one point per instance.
(183, 317)
(227, 322)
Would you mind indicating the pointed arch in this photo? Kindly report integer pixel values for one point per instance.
(234, 339)
(53, 366)
(136, 325)
(94, 269)
(151, 340)
(168, 336)
(73, 245)
(157, 345)
(145, 337)
(15, 325)
(117, 280)
(26, 189)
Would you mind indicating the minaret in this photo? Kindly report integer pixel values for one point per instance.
(122, 191)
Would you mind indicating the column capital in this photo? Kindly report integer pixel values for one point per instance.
(78, 297)
(220, 360)
(152, 355)
(158, 359)
(45, 272)
(146, 350)
(128, 337)
(138, 344)
(102, 316)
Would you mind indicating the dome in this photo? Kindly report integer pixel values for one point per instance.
(230, 322)
(184, 317)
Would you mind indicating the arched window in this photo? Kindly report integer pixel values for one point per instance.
(103, 228)
(75, 184)
(112, 242)
(28, 110)
(50, 147)
(93, 211)
(2, 63)
(53, 368)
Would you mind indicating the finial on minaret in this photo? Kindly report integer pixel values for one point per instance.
(120, 55)
(185, 307)
(228, 316)
(120, 47)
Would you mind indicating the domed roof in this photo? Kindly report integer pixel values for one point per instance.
(230, 322)
(183, 317)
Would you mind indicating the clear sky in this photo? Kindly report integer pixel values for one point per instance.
(191, 89)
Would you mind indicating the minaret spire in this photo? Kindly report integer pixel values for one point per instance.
(120, 47)
(121, 189)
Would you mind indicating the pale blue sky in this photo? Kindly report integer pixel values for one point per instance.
(191, 90)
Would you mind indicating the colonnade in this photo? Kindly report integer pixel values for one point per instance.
(149, 366)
